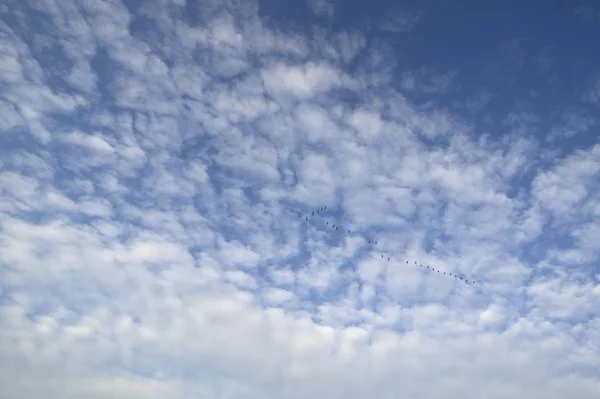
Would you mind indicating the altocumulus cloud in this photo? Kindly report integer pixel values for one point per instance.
(154, 155)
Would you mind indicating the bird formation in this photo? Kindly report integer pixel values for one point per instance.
(307, 217)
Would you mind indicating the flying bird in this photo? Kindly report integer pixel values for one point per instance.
(456, 276)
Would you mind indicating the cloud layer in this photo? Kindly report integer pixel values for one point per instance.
(154, 156)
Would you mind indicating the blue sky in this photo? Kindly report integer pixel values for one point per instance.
(153, 157)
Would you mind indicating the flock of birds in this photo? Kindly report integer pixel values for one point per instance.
(308, 217)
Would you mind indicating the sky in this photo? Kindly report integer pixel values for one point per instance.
(154, 156)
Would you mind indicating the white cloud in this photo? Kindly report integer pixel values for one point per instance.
(399, 21)
(278, 295)
(303, 82)
(322, 8)
(91, 141)
(427, 81)
(315, 123)
(563, 189)
(239, 254)
(593, 93)
(148, 231)
(367, 123)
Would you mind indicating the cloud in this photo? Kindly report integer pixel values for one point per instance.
(302, 82)
(322, 8)
(426, 81)
(154, 161)
(400, 21)
(278, 295)
(592, 94)
(93, 142)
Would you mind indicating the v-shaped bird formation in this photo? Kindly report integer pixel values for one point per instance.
(308, 216)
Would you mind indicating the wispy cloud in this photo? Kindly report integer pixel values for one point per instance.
(322, 8)
(400, 20)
